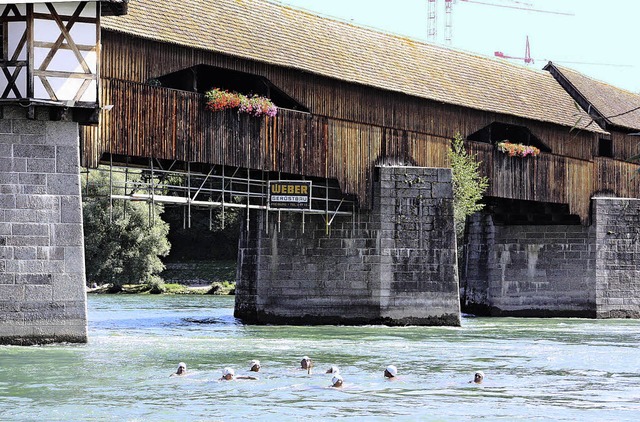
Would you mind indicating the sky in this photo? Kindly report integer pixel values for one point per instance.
(595, 37)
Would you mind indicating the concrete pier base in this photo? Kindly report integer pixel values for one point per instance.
(395, 264)
(556, 270)
(42, 278)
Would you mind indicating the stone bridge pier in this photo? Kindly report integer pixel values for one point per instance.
(394, 264)
(556, 270)
(42, 278)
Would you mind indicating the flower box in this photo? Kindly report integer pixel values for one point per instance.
(517, 150)
(254, 105)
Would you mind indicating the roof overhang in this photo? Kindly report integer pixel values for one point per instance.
(577, 96)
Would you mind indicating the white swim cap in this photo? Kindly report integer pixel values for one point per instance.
(305, 358)
(480, 374)
(336, 378)
(182, 365)
(228, 371)
(333, 370)
(392, 370)
(254, 363)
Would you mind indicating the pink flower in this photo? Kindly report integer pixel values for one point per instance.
(255, 105)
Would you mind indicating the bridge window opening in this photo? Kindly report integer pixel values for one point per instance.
(518, 212)
(498, 132)
(202, 78)
(605, 148)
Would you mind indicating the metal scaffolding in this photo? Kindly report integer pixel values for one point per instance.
(197, 186)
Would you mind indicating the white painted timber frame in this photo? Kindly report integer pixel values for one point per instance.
(50, 52)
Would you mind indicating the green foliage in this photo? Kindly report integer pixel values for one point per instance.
(122, 245)
(468, 185)
(156, 285)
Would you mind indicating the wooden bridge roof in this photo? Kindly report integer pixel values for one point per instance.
(285, 36)
(614, 105)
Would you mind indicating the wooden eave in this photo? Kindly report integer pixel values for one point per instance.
(597, 116)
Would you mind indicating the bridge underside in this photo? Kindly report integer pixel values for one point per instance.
(523, 259)
(333, 262)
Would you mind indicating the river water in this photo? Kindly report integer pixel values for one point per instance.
(535, 369)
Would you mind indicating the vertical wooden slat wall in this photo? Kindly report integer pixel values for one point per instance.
(133, 59)
(546, 178)
(349, 130)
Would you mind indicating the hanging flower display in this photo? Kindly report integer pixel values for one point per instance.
(254, 105)
(517, 150)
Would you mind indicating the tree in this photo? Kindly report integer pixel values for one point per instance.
(468, 185)
(123, 243)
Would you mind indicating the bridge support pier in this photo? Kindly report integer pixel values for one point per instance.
(395, 264)
(42, 278)
(556, 270)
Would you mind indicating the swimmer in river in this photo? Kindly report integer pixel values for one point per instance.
(228, 374)
(305, 363)
(255, 366)
(391, 372)
(333, 370)
(478, 378)
(182, 369)
(336, 381)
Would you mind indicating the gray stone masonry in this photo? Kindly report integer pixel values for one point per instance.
(617, 285)
(529, 270)
(395, 264)
(42, 278)
(560, 270)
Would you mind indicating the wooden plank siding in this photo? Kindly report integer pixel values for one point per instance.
(624, 146)
(162, 123)
(616, 177)
(350, 129)
(546, 178)
(138, 60)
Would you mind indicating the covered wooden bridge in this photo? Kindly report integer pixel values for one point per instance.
(351, 102)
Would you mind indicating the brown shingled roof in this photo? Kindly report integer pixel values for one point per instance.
(285, 36)
(617, 106)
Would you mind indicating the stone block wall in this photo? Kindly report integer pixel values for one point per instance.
(42, 277)
(395, 264)
(617, 291)
(529, 270)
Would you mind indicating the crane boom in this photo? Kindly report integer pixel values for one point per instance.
(527, 54)
(530, 9)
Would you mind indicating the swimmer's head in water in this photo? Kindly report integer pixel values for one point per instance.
(336, 381)
(391, 371)
(182, 368)
(305, 363)
(228, 374)
(478, 377)
(333, 370)
(255, 366)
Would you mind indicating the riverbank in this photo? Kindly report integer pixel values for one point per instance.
(215, 288)
(184, 278)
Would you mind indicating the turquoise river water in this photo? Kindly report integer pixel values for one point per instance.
(535, 369)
